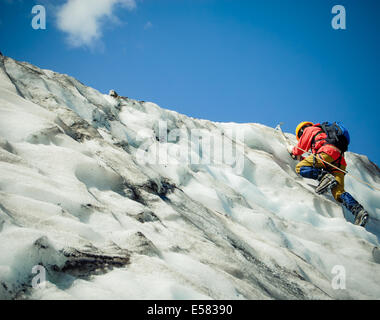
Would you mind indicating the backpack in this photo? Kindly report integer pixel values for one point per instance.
(337, 135)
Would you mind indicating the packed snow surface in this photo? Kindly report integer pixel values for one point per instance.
(121, 199)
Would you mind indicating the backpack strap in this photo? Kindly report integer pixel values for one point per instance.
(313, 140)
(332, 135)
(313, 144)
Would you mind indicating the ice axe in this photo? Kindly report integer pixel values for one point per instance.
(288, 143)
(279, 129)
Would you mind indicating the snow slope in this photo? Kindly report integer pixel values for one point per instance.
(120, 199)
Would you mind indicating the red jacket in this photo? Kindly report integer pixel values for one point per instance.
(319, 146)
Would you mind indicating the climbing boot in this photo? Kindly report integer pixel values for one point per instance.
(326, 182)
(361, 216)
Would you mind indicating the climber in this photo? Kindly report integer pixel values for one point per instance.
(327, 142)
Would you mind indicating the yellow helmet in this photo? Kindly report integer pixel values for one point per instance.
(301, 127)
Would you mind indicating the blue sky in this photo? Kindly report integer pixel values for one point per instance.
(261, 61)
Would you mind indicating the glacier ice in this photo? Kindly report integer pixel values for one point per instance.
(76, 198)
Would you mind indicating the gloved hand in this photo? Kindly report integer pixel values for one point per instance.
(290, 150)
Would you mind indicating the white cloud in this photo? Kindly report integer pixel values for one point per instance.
(83, 20)
(148, 25)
